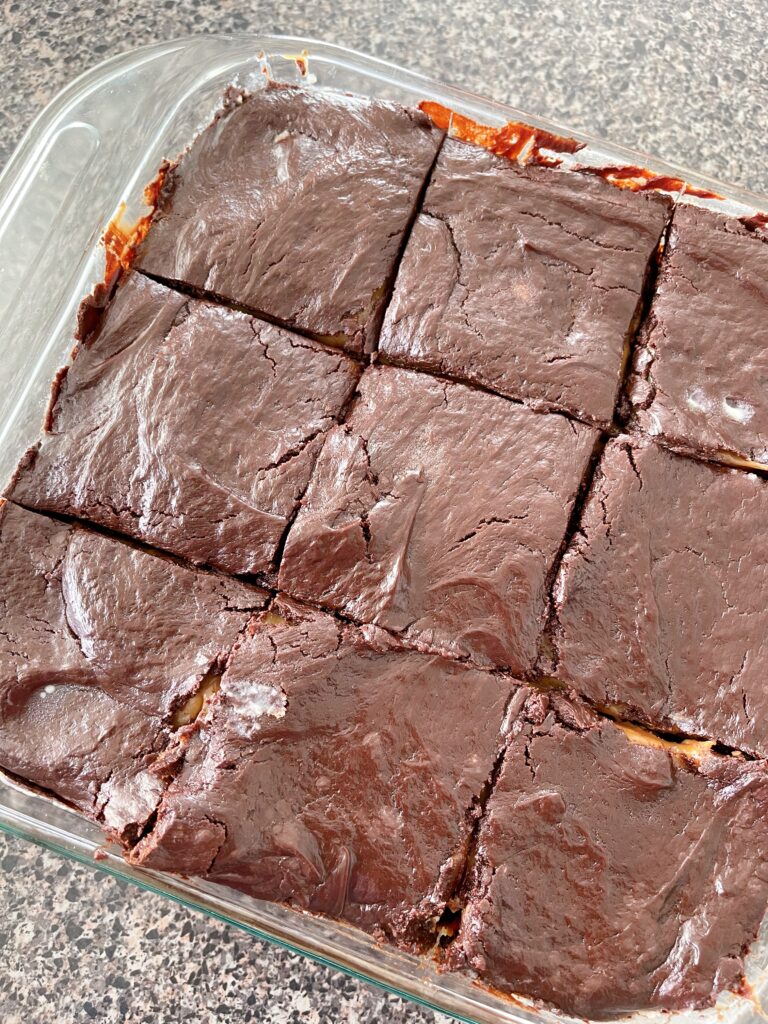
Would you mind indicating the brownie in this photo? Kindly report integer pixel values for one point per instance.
(104, 649)
(337, 772)
(642, 897)
(525, 280)
(293, 203)
(700, 373)
(660, 602)
(437, 511)
(502, 704)
(188, 426)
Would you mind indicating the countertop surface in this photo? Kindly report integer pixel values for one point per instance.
(687, 81)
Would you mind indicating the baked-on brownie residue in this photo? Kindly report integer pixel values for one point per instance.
(514, 140)
(121, 240)
(641, 179)
(527, 144)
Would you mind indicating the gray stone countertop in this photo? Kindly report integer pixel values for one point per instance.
(687, 81)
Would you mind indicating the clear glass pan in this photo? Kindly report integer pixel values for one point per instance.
(93, 149)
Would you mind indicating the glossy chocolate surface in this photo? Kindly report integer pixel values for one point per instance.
(437, 511)
(100, 643)
(293, 203)
(611, 874)
(188, 426)
(700, 375)
(661, 596)
(524, 280)
(337, 772)
(453, 519)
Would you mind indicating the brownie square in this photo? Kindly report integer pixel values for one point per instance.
(437, 512)
(188, 426)
(104, 650)
(525, 280)
(337, 772)
(660, 602)
(293, 203)
(613, 871)
(700, 373)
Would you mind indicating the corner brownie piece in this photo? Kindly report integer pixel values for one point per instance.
(701, 368)
(525, 280)
(660, 602)
(104, 649)
(188, 426)
(293, 203)
(613, 872)
(437, 511)
(337, 772)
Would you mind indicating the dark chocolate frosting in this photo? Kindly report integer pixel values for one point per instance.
(374, 757)
(700, 380)
(437, 511)
(662, 595)
(293, 203)
(338, 772)
(613, 874)
(188, 426)
(525, 280)
(101, 645)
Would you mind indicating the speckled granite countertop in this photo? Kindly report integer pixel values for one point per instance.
(688, 81)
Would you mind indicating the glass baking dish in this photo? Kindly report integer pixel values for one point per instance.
(83, 163)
